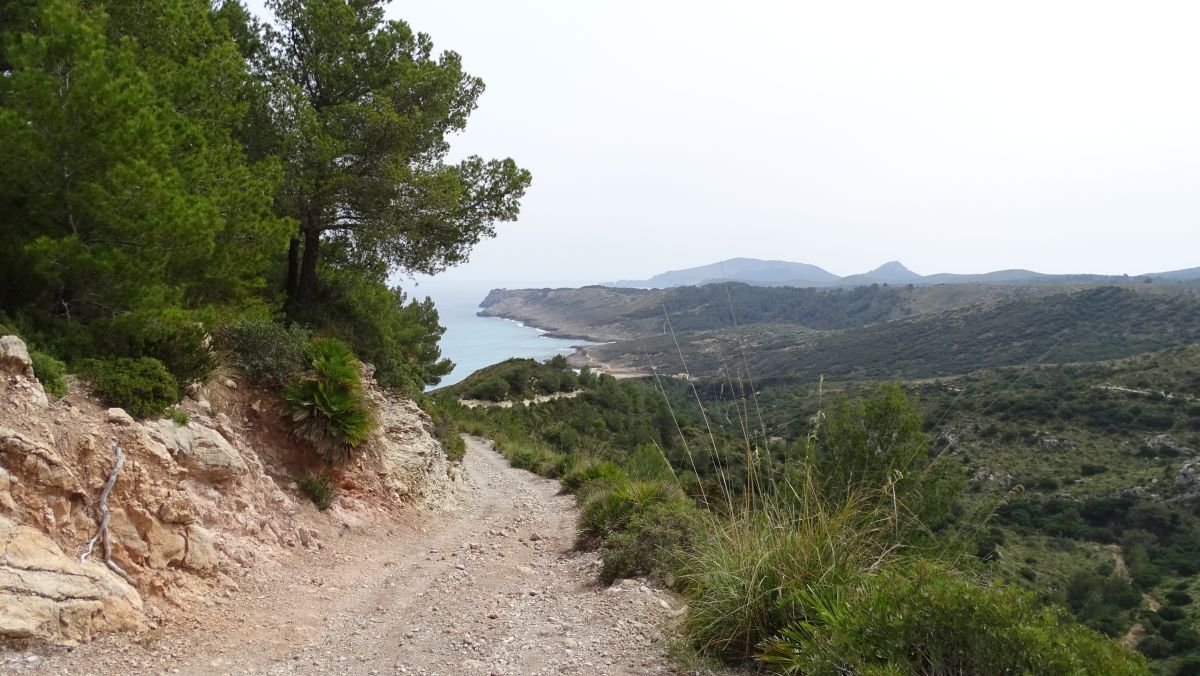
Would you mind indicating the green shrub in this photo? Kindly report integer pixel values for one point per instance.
(446, 427)
(489, 389)
(611, 508)
(180, 417)
(448, 434)
(50, 372)
(321, 488)
(326, 405)
(1155, 647)
(926, 619)
(535, 458)
(172, 337)
(143, 387)
(1178, 598)
(586, 471)
(1188, 666)
(1171, 613)
(264, 350)
(652, 543)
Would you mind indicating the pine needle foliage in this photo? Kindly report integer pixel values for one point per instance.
(326, 405)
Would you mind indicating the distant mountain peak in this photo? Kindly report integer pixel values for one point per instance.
(787, 273)
(894, 269)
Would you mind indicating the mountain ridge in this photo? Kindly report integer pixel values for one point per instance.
(760, 272)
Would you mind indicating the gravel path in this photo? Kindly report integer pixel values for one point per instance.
(491, 589)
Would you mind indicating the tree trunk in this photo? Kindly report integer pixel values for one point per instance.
(293, 273)
(307, 287)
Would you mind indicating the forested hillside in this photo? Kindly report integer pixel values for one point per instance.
(1090, 324)
(177, 167)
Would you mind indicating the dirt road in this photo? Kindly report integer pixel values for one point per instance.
(493, 588)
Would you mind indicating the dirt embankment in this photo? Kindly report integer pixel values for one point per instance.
(197, 509)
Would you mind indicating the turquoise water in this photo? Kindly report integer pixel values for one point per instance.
(473, 342)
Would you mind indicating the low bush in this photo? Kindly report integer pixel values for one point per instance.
(1155, 647)
(590, 470)
(264, 350)
(1171, 614)
(326, 405)
(448, 434)
(652, 542)
(180, 417)
(926, 619)
(489, 389)
(50, 372)
(536, 458)
(1178, 598)
(446, 427)
(143, 387)
(610, 510)
(321, 488)
(174, 338)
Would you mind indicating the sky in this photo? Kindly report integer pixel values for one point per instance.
(953, 136)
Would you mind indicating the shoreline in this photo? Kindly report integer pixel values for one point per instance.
(581, 357)
(549, 332)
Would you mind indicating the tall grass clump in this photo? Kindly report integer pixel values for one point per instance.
(326, 404)
(320, 488)
(745, 576)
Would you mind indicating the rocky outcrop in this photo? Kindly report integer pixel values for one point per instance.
(987, 478)
(14, 357)
(1169, 443)
(45, 594)
(1187, 483)
(195, 506)
(202, 451)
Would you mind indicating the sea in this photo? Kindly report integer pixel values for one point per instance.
(473, 342)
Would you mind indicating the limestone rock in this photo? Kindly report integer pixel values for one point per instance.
(176, 508)
(201, 556)
(204, 452)
(46, 595)
(14, 357)
(118, 416)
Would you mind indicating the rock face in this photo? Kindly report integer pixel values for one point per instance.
(14, 357)
(1187, 483)
(204, 452)
(45, 594)
(194, 507)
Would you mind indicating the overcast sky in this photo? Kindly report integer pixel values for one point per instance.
(955, 136)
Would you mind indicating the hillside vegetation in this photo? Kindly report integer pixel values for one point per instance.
(1085, 325)
(797, 556)
(1067, 421)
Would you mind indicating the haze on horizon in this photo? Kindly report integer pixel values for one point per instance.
(955, 137)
